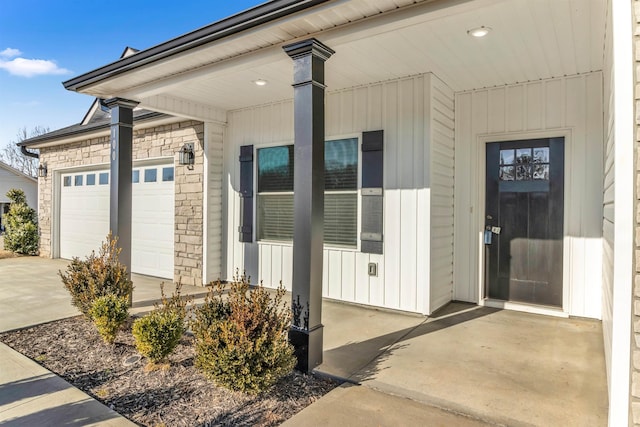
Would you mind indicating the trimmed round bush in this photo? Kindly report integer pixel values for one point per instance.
(241, 341)
(109, 313)
(158, 333)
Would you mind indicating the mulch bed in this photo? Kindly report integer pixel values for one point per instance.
(5, 254)
(178, 395)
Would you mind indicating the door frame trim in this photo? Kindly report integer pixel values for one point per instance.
(479, 217)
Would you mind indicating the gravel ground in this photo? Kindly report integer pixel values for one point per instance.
(178, 395)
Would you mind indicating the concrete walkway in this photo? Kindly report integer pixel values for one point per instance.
(467, 366)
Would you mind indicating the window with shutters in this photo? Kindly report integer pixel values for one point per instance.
(275, 193)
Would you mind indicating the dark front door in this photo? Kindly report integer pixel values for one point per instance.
(524, 221)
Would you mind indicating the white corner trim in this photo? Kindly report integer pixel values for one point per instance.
(624, 178)
(205, 204)
(56, 181)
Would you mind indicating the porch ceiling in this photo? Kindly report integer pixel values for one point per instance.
(531, 40)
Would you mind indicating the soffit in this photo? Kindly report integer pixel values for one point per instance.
(531, 40)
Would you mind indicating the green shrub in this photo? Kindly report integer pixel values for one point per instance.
(21, 231)
(158, 333)
(96, 276)
(241, 341)
(109, 313)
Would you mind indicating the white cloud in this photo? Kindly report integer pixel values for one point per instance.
(10, 53)
(32, 67)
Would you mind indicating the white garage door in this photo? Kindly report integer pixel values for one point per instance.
(84, 216)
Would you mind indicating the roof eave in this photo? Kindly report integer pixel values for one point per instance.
(46, 138)
(234, 24)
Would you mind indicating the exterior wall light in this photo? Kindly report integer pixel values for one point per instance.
(479, 32)
(187, 156)
(42, 170)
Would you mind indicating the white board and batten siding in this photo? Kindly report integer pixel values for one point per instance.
(569, 107)
(415, 273)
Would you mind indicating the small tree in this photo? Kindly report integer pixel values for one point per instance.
(21, 225)
(98, 275)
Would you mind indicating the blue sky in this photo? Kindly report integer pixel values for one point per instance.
(45, 42)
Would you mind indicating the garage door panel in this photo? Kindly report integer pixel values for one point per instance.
(84, 220)
(153, 219)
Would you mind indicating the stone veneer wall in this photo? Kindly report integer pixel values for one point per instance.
(155, 142)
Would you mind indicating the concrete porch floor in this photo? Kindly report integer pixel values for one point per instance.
(490, 366)
(502, 367)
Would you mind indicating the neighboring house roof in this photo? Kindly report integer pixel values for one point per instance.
(10, 178)
(234, 24)
(17, 172)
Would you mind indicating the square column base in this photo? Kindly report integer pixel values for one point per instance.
(307, 346)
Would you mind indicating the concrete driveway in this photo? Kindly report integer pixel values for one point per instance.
(31, 293)
(467, 366)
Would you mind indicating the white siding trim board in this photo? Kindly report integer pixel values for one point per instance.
(622, 113)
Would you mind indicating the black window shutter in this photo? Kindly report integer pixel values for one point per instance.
(246, 194)
(372, 192)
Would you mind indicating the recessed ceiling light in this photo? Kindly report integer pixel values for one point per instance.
(260, 82)
(479, 31)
